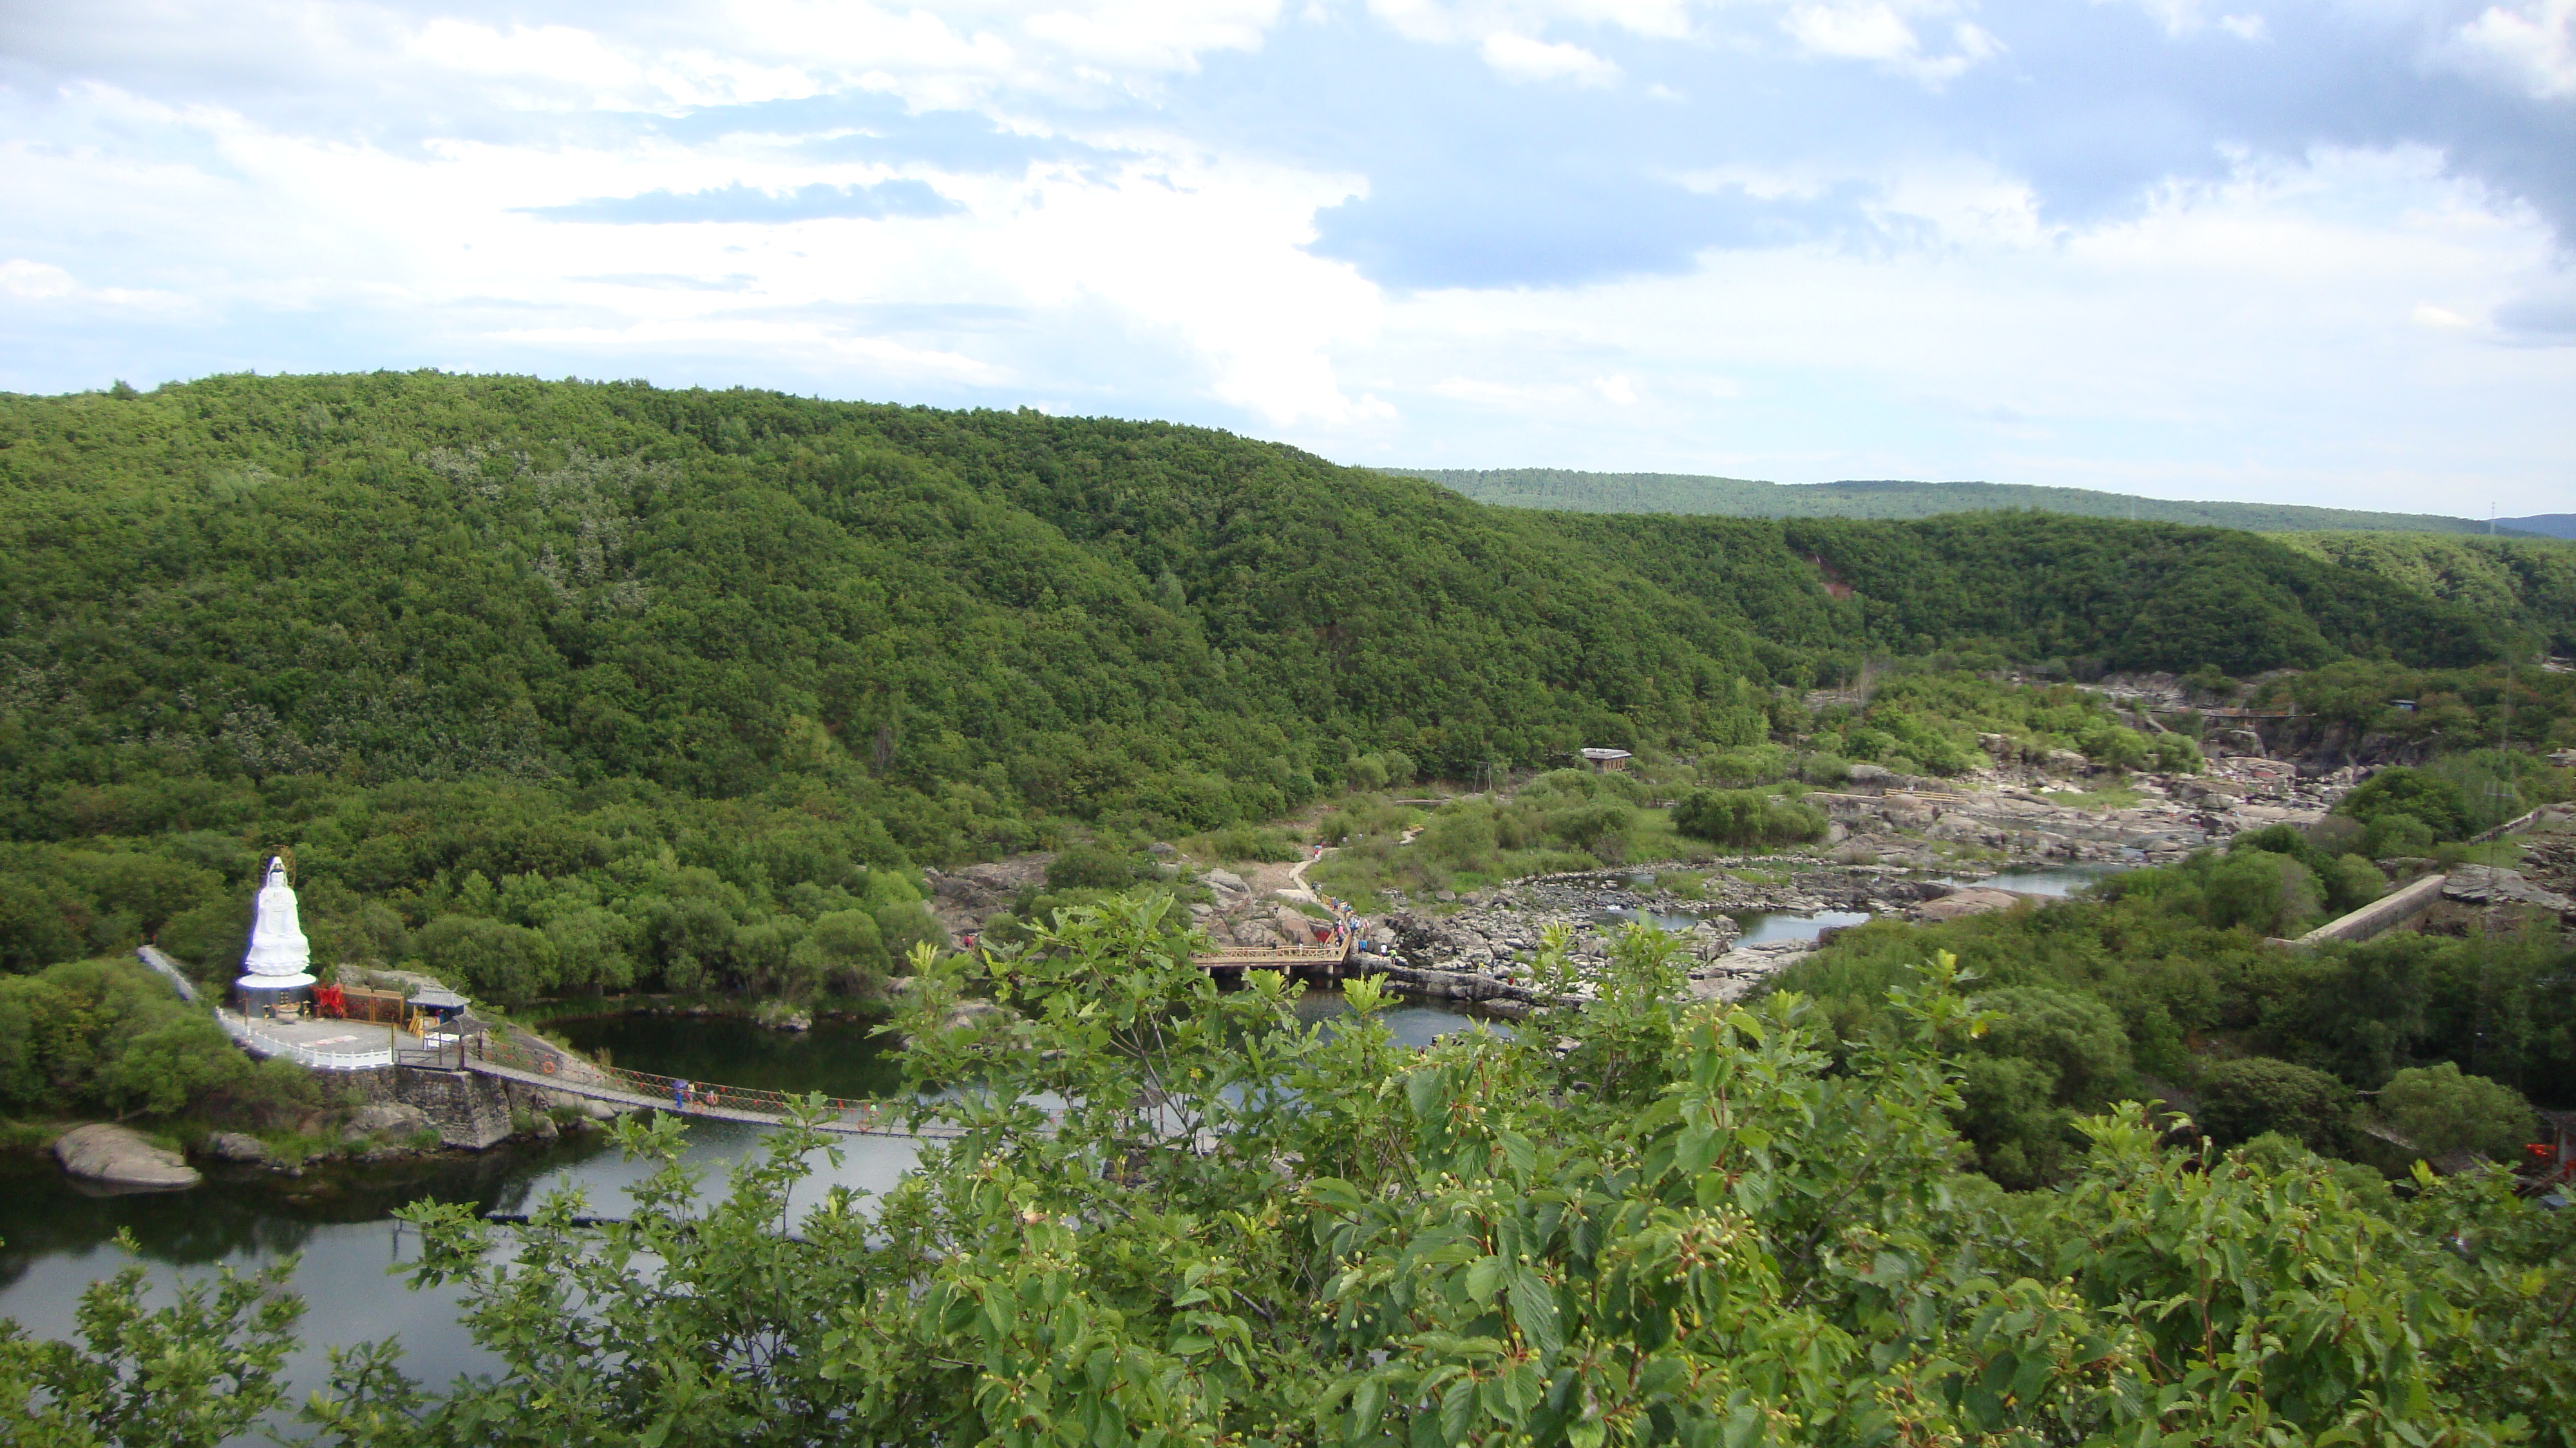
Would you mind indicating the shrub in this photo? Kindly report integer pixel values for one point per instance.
(2352, 882)
(2262, 891)
(2397, 835)
(2243, 1099)
(1755, 764)
(1094, 867)
(1740, 817)
(2441, 1109)
(1247, 842)
(2439, 803)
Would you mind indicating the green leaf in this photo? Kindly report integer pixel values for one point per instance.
(1534, 1308)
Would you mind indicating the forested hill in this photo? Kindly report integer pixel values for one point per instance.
(1581, 492)
(954, 622)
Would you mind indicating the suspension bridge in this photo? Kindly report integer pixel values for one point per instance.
(511, 1060)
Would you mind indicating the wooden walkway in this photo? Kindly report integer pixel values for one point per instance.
(1274, 957)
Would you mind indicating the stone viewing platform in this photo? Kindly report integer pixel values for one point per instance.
(319, 1043)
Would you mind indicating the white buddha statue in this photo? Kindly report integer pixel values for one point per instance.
(278, 951)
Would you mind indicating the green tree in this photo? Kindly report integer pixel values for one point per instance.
(2439, 802)
(510, 964)
(845, 952)
(1741, 817)
(2262, 891)
(2441, 1109)
(2244, 1098)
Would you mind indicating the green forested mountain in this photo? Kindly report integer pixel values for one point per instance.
(2529, 580)
(2036, 586)
(1563, 490)
(614, 680)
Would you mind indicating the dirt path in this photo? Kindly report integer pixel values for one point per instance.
(1297, 888)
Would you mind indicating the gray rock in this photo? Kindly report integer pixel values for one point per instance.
(399, 1118)
(121, 1157)
(2488, 885)
(237, 1148)
(1226, 881)
(1975, 900)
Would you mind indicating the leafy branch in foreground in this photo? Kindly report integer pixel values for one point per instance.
(191, 1374)
(1180, 1215)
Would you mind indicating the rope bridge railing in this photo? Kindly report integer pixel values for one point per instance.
(673, 1093)
(1236, 957)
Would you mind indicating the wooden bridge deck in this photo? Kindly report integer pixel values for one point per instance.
(1276, 957)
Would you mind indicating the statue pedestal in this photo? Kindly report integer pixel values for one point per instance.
(259, 993)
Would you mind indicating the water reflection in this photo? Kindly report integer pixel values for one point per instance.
(1762, 928)
(55, 1241)
(838, 1058)
(2052, 880)
(1409, 1022)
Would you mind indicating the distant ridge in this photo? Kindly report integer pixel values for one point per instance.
(1577, 492)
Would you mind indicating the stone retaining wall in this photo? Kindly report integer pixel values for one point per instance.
(470, 1111)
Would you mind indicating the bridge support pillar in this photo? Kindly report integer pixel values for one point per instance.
(470, 1111)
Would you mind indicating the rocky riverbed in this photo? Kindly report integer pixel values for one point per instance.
(1497, 934)
(1898, 846)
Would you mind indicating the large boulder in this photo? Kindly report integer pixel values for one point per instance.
(237, 1149)
(120, 1157)
(1225, 882)
(394, 1118)
(1975, 900)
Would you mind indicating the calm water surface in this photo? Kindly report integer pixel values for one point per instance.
(837, 1058)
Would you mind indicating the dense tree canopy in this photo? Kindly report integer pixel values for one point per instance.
(557, 686)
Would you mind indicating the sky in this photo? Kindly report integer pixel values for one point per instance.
(2308, 251)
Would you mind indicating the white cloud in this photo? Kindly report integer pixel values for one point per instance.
(1441, 22)
(1155, 35)
(1521, 58)
(1141, 184)
(2267, 335)
(35, 280)
(2532, 46)
(1876, 30)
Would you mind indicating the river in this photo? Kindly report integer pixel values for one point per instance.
(55, 1239)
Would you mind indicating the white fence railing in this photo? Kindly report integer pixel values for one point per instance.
(260, 1043)
(168, 971)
